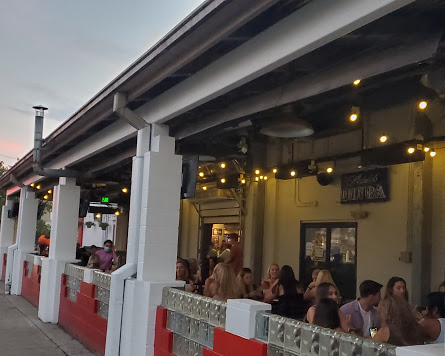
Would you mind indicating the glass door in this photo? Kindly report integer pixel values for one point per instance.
(330, 246)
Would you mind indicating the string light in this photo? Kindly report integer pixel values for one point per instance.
(117, 213)
(201, 174)
(265, 178)
(356, 82)
(353, 117)
(330, 170)
(422, 105)
(275, 170)
(32, 184)
(257, 171)
(293, 173)
(204, 188)
(222, 165)
(426, 149)
(411, 150)
(257, 178)
(223, 180)
(433, 153)
(355, 112)
(243, 181)
(261, 177)
(383, 138)
(124, 190)
(45, 197)
(98, 216)
(38, 187)
(50, 191)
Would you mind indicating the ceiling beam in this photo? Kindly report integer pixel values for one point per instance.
(303, 31)
(325, 80)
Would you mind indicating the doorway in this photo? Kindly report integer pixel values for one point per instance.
(331, 246)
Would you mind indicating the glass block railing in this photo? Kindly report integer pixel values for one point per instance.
(74, 276)
(192, 318)
(289, 337)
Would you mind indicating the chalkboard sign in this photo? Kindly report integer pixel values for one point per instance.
(365, 187)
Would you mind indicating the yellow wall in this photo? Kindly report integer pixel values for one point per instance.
(188, 230)
(380, 239)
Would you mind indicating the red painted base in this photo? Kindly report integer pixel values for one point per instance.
(4, 260)
(31, 284)
(80, 318)
(224, 343)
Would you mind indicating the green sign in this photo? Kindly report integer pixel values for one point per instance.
(105, 200)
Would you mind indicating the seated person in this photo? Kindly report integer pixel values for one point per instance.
(433, 321)
(94, 260)
(326, 315)
(183, 274)
(245, 281)
(225, 285)
(399, 326)
(362, 310)
(107, 256)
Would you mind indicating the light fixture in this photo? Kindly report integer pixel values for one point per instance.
(265, 177)
(257, 171)
(356, 82)
(422, 105)
(275, 170)
(426, 149)
(38, 187)
(223, 180)
(32, 184)
(50, 191)
(201, 174)
(411, 150)
(222, 165)
(117, 213)
(204, 188)
(360, 166)
(257, 178)
(433, 153)
(329, 170)
(293, 173)
(261, 177)
(355, 113)
(124, 190)
(98, 216)
(243, 181)
(383, 138)
(45, 197)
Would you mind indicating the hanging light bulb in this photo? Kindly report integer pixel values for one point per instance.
(355, 112)
(257, 179)
(265, 178)
(293, 173)
(38, 187)
(433, 153)
(117, 213)
(422, 105)
(243, 181)
(223, 180)
(98, 216)
(275, 170)
(204, 188)
(257, 171)
(426, 149)
(124, 190)
(50, 191)
(45, 197)
(32, 185)
(222, 165)
(411, 150)
(383, 138)
(330, 170)
(201, 174)
(356, 82)
(261, 177)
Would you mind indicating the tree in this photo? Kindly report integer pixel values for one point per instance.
(3, 169)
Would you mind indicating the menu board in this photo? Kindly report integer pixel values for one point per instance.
(365, 187)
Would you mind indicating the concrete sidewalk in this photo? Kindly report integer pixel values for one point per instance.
(23, 334)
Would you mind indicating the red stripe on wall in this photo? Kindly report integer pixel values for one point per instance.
(4, 259)
(31, 284)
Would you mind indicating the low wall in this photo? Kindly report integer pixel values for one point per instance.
(31, 279)
(83, 308)
(4, 260)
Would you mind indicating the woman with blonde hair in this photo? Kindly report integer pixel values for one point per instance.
(226, 285)
(399, 326)
(323, 276)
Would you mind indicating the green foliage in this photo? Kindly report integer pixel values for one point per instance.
(42, 228)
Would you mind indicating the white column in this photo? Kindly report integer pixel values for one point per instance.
(158, 242)
(240, 316)
(62, 247)
(26, 231)
(6, 232)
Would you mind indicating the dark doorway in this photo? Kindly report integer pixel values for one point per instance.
(331, 246)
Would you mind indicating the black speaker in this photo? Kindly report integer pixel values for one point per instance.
(85, 199)
(14, 211)
(189, 173)
(324, 178)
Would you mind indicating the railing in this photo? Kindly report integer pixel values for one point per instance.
(101, 280)
(193, 318)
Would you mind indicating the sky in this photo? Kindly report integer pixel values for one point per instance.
(60, 53)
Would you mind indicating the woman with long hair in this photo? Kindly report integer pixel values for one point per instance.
(271, 278)
(399, 326)
(433, 321)
(183, 274)
(397, 286)
(323, 276)
(226, 285)
(326, 315)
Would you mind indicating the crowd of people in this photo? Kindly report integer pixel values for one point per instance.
(389, 318)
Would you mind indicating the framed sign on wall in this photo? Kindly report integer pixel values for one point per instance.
(365, 187)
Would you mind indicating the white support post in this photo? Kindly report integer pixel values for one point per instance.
(240, 316)
(6, 232)
(62, 247)
(158, 242)
(26, 231)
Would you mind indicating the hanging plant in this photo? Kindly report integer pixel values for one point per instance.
(103, 225)
(89, 224)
